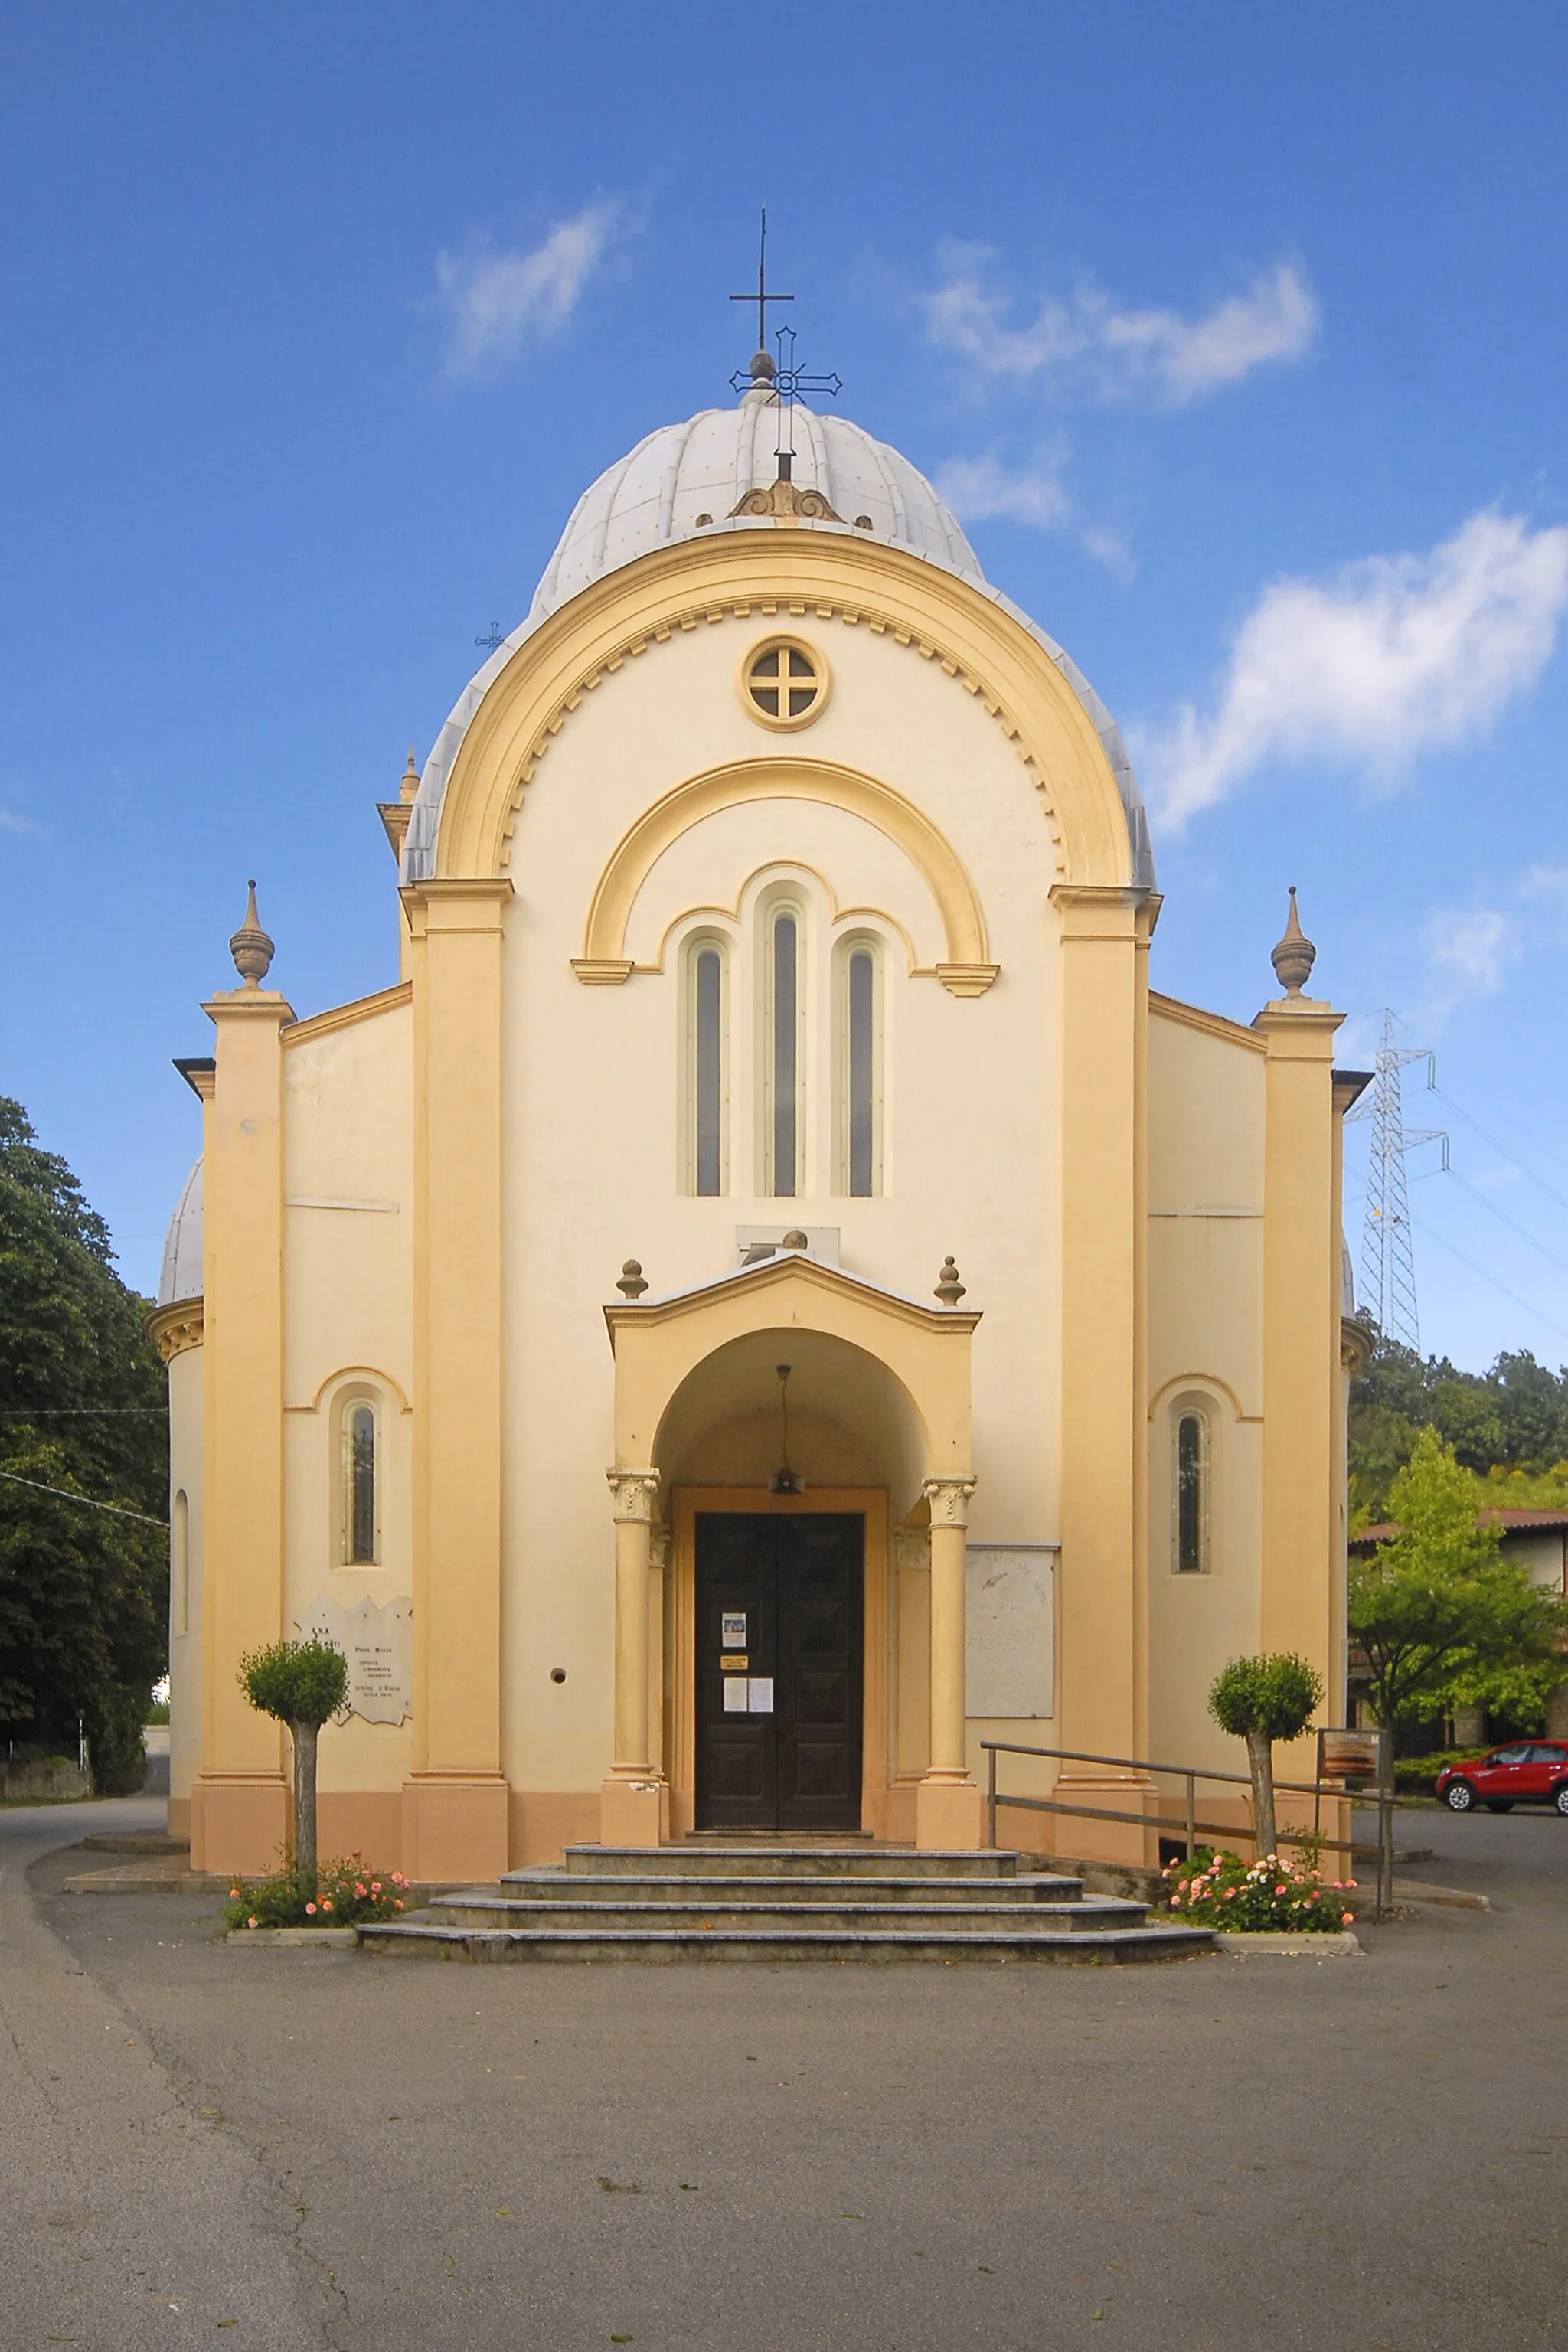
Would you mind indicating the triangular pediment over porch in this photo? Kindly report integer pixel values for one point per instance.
(661, 1343)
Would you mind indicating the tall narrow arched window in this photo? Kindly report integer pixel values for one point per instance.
(180, 1563)
(359, 1468)
(707, 1069)
(783, 1045)
(1190, 1512)
(860, 1090)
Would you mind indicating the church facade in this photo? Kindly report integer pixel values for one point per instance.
(770, 1298)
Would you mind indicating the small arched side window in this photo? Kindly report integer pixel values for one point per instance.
(180, 1549)
(783, 1045)
(707, 1069)
(361, 1516)
(1191, 1511)
(861, 1082)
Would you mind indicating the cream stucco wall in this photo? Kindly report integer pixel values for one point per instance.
(185, 1521)
(348, 1330)
(1206, 1113)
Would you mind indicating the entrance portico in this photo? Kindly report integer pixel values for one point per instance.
(880, 1423)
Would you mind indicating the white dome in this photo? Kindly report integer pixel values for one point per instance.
(683, 482)
(180, 1275)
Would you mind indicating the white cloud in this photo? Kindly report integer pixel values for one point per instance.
(1397, 655)
(1546, 882)
(1469, 954)
(977, 489)
(23, 827)
(498, 301)
(1120, 352)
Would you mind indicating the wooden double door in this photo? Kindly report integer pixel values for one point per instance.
(780, 1669)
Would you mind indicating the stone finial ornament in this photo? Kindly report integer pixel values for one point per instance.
(631, 1284)
(1294, 957)
(948, 1288)
(251, 949)
(408, 783)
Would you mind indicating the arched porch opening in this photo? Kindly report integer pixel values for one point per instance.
(823, 1573)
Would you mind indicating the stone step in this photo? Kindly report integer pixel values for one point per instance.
(547, 1882)
(768, 1857)
(414, 1939)
(858, 1918)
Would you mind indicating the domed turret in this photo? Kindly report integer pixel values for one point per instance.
(180, 1275)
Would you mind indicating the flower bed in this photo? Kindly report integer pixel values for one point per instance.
(345, 1894)
(1220, 1890)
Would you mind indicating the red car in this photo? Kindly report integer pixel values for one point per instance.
(1526, 1772)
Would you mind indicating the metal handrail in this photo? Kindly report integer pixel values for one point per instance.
(1191, 1774)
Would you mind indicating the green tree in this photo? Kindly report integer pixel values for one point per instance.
(83, 1592)
(1261, 1700)
(1511, 1420)
(1443, 1619)
(304, 1684)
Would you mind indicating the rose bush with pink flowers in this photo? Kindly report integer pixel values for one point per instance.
(345, 1892)
(1220, 1890)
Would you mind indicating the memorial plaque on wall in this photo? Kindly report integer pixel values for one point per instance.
(377, 1639)
(1011, 1629)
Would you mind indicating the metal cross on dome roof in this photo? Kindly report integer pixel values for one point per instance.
(762, 298)
(781, 377)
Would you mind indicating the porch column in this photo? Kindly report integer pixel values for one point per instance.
(634, 1806)
(948, 1810)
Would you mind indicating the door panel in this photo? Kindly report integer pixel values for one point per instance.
(737, 1754)
(797, 1580)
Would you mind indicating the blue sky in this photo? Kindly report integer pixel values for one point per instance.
(1238, 335)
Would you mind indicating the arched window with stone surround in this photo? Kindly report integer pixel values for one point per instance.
(707, 1074)
(360, 1468)
(783, 1009)
(1190, 1497)
(860, 1074)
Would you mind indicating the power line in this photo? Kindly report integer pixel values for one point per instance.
(1432, 1234)
(1501, 1148)
(1503, 1217)
(67, 1411)
(86, 1501)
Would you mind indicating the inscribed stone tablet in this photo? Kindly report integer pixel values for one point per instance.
(377, 1639)
(1010, 1630)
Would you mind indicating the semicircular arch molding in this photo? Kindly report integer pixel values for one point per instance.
(787, 574)
(967, 968)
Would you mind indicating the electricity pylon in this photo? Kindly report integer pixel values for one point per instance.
(1387, 1257)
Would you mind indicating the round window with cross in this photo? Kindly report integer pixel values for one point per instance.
(784, 682)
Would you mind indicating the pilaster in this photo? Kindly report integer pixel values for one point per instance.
(238, 1811)
(1104, 936)
(1302, 1564)
(455, 1805)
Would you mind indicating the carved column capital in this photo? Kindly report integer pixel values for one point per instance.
(634, 1493)
(949, 1500)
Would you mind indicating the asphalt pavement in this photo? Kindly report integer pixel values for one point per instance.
(316, 2150)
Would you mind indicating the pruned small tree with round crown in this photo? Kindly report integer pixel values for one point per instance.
(304, 1684)
(1261, 1700)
